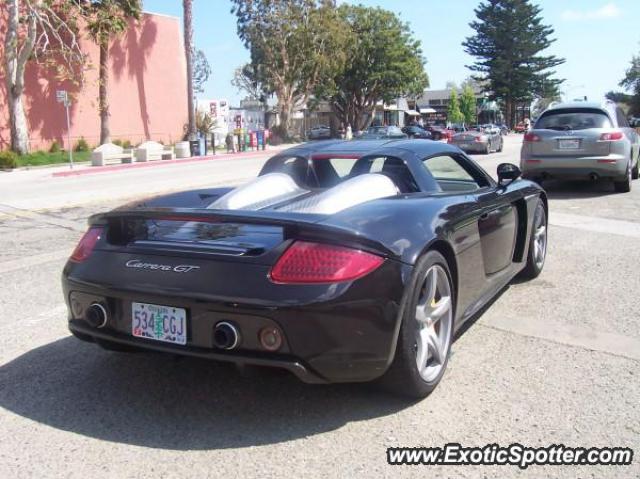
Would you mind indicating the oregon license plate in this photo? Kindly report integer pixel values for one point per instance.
(160, 323)
(569, 144)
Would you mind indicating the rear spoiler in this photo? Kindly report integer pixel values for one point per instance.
(295, 225)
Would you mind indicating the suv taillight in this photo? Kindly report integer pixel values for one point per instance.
(613, 136)
(305, 262)
(531, 137)
(86, 244)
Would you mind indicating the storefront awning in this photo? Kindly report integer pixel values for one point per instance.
(426, 109)
(412, 113)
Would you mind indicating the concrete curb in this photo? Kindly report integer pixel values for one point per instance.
(128, 166)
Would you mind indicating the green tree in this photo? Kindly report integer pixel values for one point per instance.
(454, 115)
(631, 82)
(508, 43)
(468, 105)
(43, 32)
(294, 45)
(107, 19)
(201, 71)
(384, 62)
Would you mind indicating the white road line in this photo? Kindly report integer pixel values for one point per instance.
(596, 225)
(34, 260)
(567, 334)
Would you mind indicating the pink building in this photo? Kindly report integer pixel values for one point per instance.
(147, 91)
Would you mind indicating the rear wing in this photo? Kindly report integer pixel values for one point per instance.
(310, 227)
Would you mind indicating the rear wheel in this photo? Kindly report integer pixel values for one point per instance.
(501, 145)
(537, 253)
(634, 171)
(425, 334)
(624, 186)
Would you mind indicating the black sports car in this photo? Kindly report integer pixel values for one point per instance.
(342, 261)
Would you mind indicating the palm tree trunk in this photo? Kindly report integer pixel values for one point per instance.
(188, 50)
(103, 101)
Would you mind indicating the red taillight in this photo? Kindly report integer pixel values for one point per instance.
(306, 262)
(531, 137)
(86, 244)
(613, 136)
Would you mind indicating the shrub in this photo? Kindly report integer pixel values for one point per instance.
(8, 159)
(81, 145)
(126, 144)
(55, 147)
(117, 142)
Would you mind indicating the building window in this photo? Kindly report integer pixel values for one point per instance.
(434, 102)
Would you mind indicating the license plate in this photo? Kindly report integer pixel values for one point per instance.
(568, 144)
(160, 323)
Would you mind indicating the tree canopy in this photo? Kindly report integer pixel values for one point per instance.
(384, 62)
(293, 44)
(201, 71)
(631, 82)
(454, 115)
(468, 104)
(508, 43)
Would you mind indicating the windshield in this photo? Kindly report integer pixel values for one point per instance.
(573, 119)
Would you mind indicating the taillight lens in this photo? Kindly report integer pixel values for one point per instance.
(531, 137)
(306, 262)
(613, 136)
(86, 244)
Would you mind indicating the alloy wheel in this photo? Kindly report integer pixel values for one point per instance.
(434, 317)
(539, 236)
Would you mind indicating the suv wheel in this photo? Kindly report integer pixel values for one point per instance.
(624, 186)
(634, 171)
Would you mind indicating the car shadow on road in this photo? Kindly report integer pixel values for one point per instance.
(571, 190)
(160, 401)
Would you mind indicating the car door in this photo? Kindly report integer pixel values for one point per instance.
(497, 214)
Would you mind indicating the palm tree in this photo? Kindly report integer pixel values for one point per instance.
(188, 51)
(107, 19)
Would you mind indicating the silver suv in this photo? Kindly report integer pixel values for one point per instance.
(582, 140)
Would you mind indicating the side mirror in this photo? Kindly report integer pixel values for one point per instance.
(508, 172)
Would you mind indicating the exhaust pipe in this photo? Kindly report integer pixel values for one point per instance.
(593, 177)
(226, 336)
(96, 315)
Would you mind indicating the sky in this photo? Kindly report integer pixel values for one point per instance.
(596, 37)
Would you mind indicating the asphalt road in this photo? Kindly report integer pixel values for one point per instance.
(553, 361)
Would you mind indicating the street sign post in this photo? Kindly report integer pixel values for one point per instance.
(63, 97)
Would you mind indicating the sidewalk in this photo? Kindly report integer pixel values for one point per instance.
(87, 169)
(59, 187)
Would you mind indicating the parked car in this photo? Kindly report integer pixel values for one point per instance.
(415, 131)
(485, 140)
(382, 132)
(439, 133)
(458, 128)
(320, 132)
(582, 140)
(504, 129)
(520, 128)
(341, 262)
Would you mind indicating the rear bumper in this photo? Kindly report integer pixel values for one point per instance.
(610, 166)
(475, 147)
(347, 335)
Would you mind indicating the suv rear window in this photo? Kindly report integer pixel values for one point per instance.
(573, 119)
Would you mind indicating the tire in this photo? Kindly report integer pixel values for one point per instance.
(487, 149)
(537, 252)
(634, 171)
(430, 336)
(624, 186)
(499, 150)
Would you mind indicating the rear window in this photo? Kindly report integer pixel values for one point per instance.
(573, 119)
